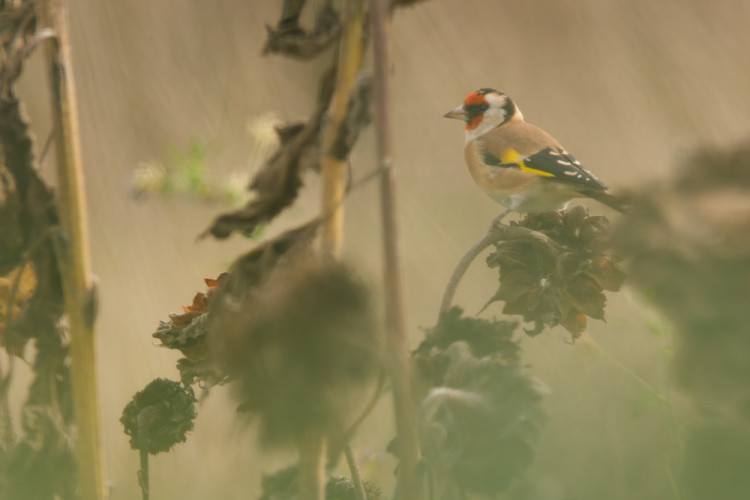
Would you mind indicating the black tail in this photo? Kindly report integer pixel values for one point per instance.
(612, 201)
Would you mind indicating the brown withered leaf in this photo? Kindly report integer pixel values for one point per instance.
(556, 272)
(586, 295)
(276, 185)
(15, 293)
(186, 332)
(252, 268)
(189, 332)
(607, 273)
(358, 116)
(575, 322)
(290, 40)
(11, 228)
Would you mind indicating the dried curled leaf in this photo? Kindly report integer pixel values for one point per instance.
(28, 219)
(556, 272)
(277, 184)
(16, 290)
(290, 40)
(188, 332)
(358, 116)
(18, 38)
(480, 412)
(40, 444)
(12, 238)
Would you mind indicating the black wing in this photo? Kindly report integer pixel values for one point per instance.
(551, 164)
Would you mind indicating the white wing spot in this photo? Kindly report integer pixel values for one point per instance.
(571, 172)
(563, 162)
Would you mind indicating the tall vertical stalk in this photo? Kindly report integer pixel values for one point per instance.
(351, 48)
(397, 340)
(312, 447)
(73, 254)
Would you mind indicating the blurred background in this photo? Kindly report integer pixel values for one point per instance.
(629, 87)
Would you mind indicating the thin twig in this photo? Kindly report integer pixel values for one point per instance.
(397, 341)
(359, 486)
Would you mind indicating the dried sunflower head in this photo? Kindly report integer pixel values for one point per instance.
(479, 410)
(159, 416)
(556, 272)
(300, 347)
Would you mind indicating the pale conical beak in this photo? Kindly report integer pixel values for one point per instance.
(458, 113)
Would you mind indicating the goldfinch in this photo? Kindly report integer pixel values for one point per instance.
(519, 165)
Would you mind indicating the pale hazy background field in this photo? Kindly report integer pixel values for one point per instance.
(629, 86)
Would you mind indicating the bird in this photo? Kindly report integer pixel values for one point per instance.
(519, 165)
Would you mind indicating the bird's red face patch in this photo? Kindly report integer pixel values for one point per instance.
(474, 122)
(474, 100)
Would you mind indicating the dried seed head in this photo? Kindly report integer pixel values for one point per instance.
(300, 347)
(159, 416)
(556, 272)
(480, 411)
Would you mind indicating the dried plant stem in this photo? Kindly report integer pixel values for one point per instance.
(143, 476)
(496, 233)
(73, 254)
(463, 265)
(359, 486)
(397, 341)
(312, 473)
(333, 169)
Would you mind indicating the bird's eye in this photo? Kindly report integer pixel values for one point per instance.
(476, 110)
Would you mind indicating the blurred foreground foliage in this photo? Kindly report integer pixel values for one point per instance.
(480, 411)
(688, 247)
